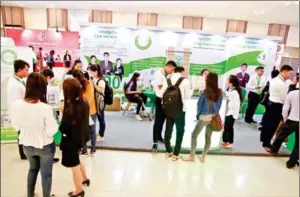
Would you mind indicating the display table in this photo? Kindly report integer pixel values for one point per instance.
(152, 96)
(190, 122)
(59, 64)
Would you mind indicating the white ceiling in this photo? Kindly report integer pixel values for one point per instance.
(282, 12)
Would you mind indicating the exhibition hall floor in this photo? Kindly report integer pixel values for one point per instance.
(133, 174)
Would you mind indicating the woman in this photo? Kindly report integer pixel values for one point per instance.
(209, 104)
(37, 130)
(78, 65)
(234, 95)
(294, 83)
(99, 84)
(119, 69)
(202, 79)
(87, 89)
(135, 95)
(75, 130)
(67, 59)
(51, 59)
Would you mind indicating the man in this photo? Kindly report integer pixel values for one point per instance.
(16, 89)
(278, 92)
(33, 58)
(255, 87)
(243, 76)
(290, 113)
(160, 77)
(40, 58)
(185, 91)
(106, 65)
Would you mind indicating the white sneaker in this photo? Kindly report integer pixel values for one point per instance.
(138, 117)
(144, 114)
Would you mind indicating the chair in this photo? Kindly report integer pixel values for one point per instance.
(244, 92)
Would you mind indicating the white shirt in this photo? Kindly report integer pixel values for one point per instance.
(159, 79)
(15, 90)
(253, 83)
(234, 102)
(37, 127)
(290, 109)
(278, 90)
(100, 84)
(186, 92)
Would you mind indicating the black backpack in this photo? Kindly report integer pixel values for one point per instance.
(108, 94)
(172, 100)
(264, 96)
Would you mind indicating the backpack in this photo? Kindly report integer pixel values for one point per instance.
(99, 99)
(108, 94)
(264, 96)
(172, 100)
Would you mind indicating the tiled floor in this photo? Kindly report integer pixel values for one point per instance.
(132, 174)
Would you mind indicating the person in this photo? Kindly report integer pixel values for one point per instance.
(278, 91)
(294, 84)
(209, 104)
(93, 60)
(40, 58)
(202, 78)
(74, 127)
(67, 59)
(51, 60)
(78, 65)
(160, 77)
(49, 75)
(87, 89)
(119, 68)
(290, 113)
(256, 84)
(135, 95)
(58, 58)
(185, 91)
(16, 90)
(106, 65)
(37, 130)
(234, 95)
(33, 58)
(99, 84)
(242, 76)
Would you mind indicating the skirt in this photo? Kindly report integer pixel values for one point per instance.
(70, 158)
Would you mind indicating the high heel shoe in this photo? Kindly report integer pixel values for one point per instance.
(80, 194)
(86, 182)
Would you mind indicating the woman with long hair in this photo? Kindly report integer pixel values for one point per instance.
(87, 89)
(78, 65)
(208, 106)
(134, 95)
(37, 129)
(234, 95)
(75, 130)
(99, 85)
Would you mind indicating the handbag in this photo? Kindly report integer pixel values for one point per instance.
(216, 121)
(57, 136)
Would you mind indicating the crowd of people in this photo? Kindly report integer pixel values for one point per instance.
(87, 93)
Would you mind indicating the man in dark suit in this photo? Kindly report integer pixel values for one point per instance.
(106, 65)
(243, 76)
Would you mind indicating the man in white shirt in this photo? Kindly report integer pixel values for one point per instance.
(255, 86)
(160, 77)
(186, 93)
(16, 89)
(278, 92)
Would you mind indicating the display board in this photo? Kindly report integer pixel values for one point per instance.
(8, 55)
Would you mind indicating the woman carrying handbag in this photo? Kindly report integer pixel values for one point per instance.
(208, 107)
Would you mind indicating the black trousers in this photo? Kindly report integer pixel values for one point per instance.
(288, 128)
(253, 101)
(270, 123)
(159, 120)
(228, 133)
(139, 99)
(21, 151)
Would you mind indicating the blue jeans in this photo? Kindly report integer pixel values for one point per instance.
(102, 124)
(93, 133)
(40, 159)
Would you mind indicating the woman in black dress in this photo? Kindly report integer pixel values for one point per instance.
(75, 133)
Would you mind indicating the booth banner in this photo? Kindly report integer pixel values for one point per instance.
(8, 56)
(47, 39)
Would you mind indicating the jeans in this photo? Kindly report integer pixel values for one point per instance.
(228, 133)
(159, 121)
(199, 126)
(40, 159)
(93, 133)
(102, 124)
(180, 124)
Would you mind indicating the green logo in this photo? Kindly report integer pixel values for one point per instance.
(8, 56)
(137, 44)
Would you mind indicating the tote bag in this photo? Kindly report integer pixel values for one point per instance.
(216, 121)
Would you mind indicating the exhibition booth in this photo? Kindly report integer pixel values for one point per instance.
(146, 50)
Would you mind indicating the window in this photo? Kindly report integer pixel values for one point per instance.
(12, 16)
(192, 22)
(236, 26)
(145, 19)
(57, 18)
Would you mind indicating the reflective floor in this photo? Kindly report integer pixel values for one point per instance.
(131, 174)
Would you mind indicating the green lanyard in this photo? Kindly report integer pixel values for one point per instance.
(19, 80)
(258, 83)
